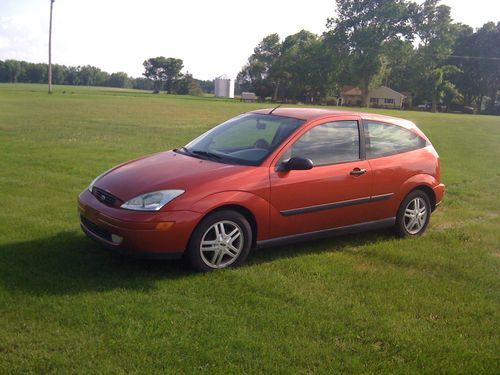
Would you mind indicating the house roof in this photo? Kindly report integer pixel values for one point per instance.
(351, 90)
(385, 88)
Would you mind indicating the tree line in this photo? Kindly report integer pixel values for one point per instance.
(407, 46)
(15, 71)
(165, 74)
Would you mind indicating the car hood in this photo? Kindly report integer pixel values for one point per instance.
(165, 170)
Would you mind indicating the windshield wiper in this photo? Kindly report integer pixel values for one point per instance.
(184, 150)
(207, 154)
(198, 153)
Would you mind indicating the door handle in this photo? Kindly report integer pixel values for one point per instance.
(357, 172)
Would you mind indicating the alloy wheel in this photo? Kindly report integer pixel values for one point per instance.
(415, 215)
(221, 244)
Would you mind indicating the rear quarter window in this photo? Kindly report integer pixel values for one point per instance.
(384, 139)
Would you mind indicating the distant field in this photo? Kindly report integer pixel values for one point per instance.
(368, 303)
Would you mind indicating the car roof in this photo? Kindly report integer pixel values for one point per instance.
(300, 113)
(314, 113)
(309, 113)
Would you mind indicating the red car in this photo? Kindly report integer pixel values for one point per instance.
(265, 178)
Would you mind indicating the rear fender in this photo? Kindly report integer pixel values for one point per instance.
(425, 180)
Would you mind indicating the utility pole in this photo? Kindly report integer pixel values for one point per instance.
(50, 48)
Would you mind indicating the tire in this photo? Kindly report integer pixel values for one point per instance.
(413, 214)
(222, 239)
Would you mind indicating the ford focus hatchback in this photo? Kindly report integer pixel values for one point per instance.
(266, 178)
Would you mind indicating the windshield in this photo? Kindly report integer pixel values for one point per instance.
(246, 139)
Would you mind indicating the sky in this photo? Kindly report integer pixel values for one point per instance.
(212, 37)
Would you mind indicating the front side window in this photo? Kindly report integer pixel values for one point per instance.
(385, 139)
(246, 139)
(329, 143)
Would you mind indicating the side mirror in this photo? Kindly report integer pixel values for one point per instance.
(296, 164)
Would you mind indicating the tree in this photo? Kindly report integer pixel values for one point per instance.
(59, 73)
(363, 26)
(35, 73)
(262, 74)
(479, 77)
(163, 72)
(154, 71)
(206, 86)
(298, 68)
(304, 67)
(142, 83)
(442, 86)
(13, 70)
(187, 85)
(437, 35)
(119, 79)
(3, 72)
(489, 42)
(73, 75)
(469, 82)
(172, 72)
(92, 76)
(398, 56)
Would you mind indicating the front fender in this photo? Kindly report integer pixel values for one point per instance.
(258, 207)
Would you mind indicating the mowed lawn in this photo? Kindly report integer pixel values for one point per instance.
(368, 303)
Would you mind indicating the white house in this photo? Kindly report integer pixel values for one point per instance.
(385, 97)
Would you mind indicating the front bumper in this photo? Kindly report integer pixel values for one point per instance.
(144, 234)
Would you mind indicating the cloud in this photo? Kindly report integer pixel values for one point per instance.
(23, 38)
(4, 43)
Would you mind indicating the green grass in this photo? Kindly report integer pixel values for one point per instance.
(368, 303)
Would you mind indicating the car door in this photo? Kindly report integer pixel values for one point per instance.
(329, 195)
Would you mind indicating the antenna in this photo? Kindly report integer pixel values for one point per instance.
(274, 109)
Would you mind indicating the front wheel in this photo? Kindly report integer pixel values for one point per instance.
(413, 214)
(223, 239)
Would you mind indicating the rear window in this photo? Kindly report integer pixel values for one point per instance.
(385, 139)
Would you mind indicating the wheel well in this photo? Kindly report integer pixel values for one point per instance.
(246, 213)
(430, 193)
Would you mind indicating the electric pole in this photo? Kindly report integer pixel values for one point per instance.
(50, 48)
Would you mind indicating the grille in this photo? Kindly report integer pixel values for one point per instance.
(98, 231)
(104, 196)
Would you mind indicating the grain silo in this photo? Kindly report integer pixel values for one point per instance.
(224, 87)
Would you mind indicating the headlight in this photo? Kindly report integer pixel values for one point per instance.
(152, 201)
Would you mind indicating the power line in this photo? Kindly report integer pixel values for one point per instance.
(416, 51)
(460, 56)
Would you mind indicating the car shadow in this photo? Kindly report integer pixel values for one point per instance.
(329, 244)
(70, 263)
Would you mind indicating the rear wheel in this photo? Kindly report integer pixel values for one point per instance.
(223, 239)
(413, 214)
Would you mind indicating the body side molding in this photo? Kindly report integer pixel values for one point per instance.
(355, 228)
(329, 206)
